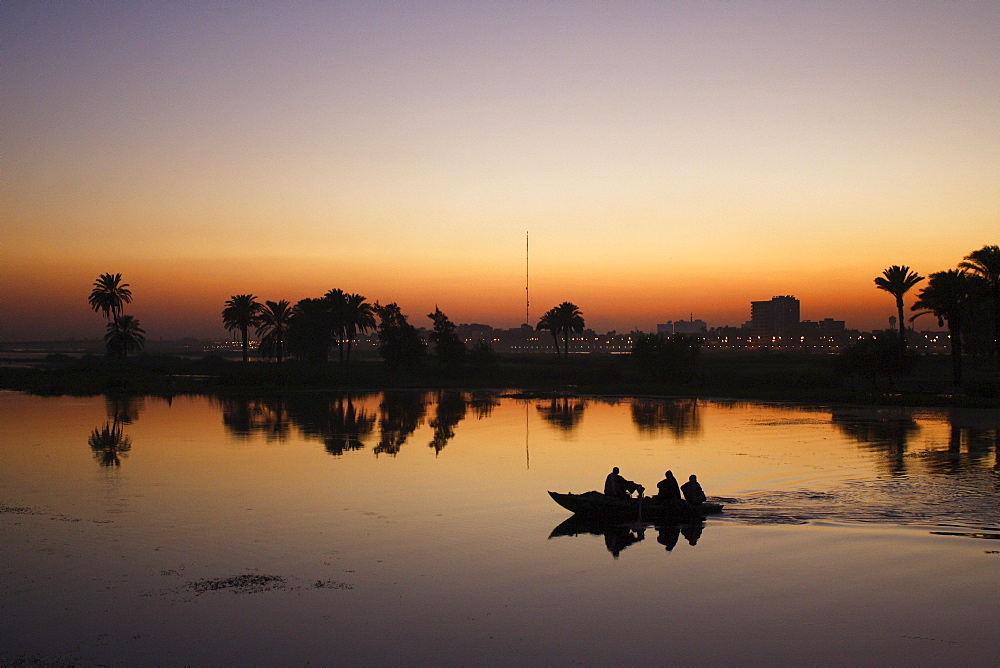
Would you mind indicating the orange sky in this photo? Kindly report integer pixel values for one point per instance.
(667, 158)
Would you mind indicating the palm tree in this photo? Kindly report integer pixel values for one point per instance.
(272, 324)
(309, 332)
(568, 318)
(109, 295)
(549, 321)
(124, 336)
(337, 304)
(985, 263)
(897, 280)
(240, 314)
(946, 296)
(358, 316)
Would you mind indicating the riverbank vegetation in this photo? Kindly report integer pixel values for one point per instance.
(761, 375)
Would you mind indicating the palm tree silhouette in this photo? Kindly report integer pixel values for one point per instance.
(550, 322)
(109, 295)
(337, 304)
(985, 263)
(240, 314)
(359, 317)
(272, 324)
(568, 319)
(124, 335)
(897, 280)
(946, 296)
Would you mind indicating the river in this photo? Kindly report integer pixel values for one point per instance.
(406, 528)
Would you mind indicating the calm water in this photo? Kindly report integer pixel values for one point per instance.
(415, 528)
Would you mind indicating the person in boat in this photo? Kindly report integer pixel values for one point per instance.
(617, 486)
(667, 490)
(693, 493)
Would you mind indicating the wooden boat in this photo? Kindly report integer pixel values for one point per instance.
(595, 504)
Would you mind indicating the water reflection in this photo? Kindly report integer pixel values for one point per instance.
(346, 426)
(450, 411)
(400, 413)
(973, 437)
(679, 417)
(618, 536)
(109, 444)
(884, 430)
(124, 409)
(482, 404)
(244, 417)
(563, 413)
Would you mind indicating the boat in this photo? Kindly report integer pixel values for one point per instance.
(596, 504)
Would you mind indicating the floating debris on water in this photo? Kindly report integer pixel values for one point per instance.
(248, 583)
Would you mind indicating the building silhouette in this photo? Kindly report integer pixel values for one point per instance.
(777, 317)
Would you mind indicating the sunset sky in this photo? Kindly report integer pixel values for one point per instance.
(667, 158)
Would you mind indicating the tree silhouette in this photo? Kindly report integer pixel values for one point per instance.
(310, 331)
(947, 296)
(897, 280)
(400, 344)
(336, 300)
(240, 314)
(550, 322)
(359, 317)
(124, 335)
(568, 319)
(109, 295)
(985, 263)
(447, 346)
(272, 327)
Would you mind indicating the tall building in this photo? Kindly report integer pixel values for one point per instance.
(777, 317)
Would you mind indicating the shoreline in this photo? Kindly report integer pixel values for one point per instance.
(772, 377)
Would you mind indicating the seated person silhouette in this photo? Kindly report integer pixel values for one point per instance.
(618, 487)
(693, 493)
(667, 489)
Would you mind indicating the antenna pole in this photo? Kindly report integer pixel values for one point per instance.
(527, 303)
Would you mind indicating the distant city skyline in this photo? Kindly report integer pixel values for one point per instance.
(665, 157)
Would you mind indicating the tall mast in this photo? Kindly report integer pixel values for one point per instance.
(527, 303)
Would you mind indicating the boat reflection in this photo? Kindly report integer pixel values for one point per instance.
(620, 535)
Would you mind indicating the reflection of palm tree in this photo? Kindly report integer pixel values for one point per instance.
(109, 295)
(400, 413)
(109, 444)
(245, 416)
(947, 295)
(347, 427)
(124, 335)
(124, 409)
(680, 416)
(897, 280)
(985, 263)
(563, 413)
(240, 314)
(883, 430)
(483, 403)
(450, 411)
(272, 324)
